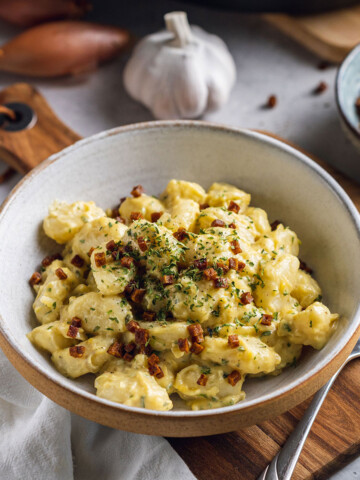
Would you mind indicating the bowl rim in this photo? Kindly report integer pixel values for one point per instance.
(338, 87)
(271, 142)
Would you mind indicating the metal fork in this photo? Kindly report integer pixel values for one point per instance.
(283, 464)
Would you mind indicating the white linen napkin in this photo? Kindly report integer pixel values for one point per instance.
(40, 440)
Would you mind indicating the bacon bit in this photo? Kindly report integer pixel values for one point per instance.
(126, 262)
(153, 359)
(100, 259)
(304, 267)
(183, 345)
(201, 264)
(234, 207)
(168, 279)
(218, 223)
(210, 274)
(111, 246)
(130, 347)
(202, 380)
(241, 266)
(116, 349)
(145, 350)
(132, 326)
(76, 322)
(49, 259)
(77, 351)
(233, 341)
(196, 333)
(271, 101)
(233, 263)
(274, 225)
(90, 251)
(321, 88)
(128, 357)
(246, 298)
(141, 336)
(156, 370)
(181, 234)
(232, 225)
(155, 216)
(221, 282)
(35, 279)
(149, 316)
(117, 254)
(115, 212)
(120, 219)
(59, 272)
(135, 216)
(266, 319)
(77, 261)
(130, 287)
(196, 348)
(142, 244)
(72, 331)
(223, 266)
(203, 206)
(235, 247)
(137, 191)
(234, 377)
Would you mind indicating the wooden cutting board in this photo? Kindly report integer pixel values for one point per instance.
(329, 35)
(241, 455)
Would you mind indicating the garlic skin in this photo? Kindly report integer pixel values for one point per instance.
(181, 72)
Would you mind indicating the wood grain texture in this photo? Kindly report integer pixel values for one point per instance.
(24, 150)
(330, 35)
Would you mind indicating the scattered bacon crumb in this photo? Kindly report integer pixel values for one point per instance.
(35, 279)
(246, 298)
(225, 268)
(145, 350)
(233, 341)
(221, 282)
(275, 224)
(153, 359)
(233, 263)
(149, 316)
(115, 212)
(132, 326)
(232, 225)
(111, 246)
(203, 206)
(130, 347)
(77, 261)
(196, 348)
(234, 377)
(304, 267)
(142, 244)
(271, 101)
(49, 259)
(141, 336)
(168, 279)
(137, 191)
(130, 287)
(128, 357)
(196, 332)
(100, 259)
(156, 370)
(202, 380)
(116, 349)
(117, 254)
(234, 207)
(59, 272)
(183, 345)
(241, 266)
(126, 262)
(218, 223)
(321, 88)
(155, 216)
(77, 351)
(74, 327)
(266, 319)
(181, 234)
(201, 264)
(135, 216)
(210, 274)
(235, 247)
(90, 251)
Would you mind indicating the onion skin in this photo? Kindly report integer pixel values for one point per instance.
(62, 48)
(26, 13)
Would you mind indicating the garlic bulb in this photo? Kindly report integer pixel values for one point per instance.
(181, 72)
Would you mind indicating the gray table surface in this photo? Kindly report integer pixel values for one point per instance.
(267, 63)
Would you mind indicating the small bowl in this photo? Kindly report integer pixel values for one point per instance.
(103, 168)
(347, 90)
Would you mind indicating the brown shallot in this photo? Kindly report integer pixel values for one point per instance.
(62, 48)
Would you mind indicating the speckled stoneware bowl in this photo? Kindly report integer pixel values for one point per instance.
(347, 90)
(103, 168)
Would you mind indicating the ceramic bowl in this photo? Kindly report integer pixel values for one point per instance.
(347, 90)
(103, 168)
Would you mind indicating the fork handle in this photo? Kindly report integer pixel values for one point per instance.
(283, 464)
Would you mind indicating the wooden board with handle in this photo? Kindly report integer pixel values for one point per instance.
(330, 35)
(335, 436)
